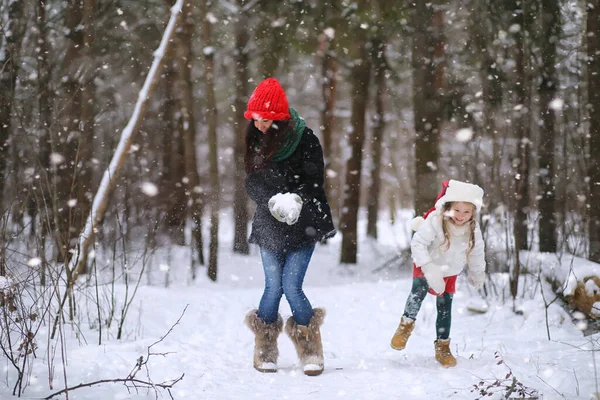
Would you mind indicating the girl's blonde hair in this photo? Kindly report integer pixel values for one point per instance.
(472, 225)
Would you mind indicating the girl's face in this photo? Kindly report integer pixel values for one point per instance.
(461, 212)
(263, 125)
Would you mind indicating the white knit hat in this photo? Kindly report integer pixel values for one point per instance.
(452, 191)
(461, 191)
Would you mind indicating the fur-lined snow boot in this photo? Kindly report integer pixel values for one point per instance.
(265, 341)
(443, 354)
(402, 334)
(307, 340)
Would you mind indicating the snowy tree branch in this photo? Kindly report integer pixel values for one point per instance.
(100, 202)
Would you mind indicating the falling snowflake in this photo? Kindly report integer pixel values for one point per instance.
(330, 33)
(56, 159)
(464, 134)
(432, 166)
(149, 189)
(557, 104)
(34, 262)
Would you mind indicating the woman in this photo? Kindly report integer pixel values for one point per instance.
(284, 165)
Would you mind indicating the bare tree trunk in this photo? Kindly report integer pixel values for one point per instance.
(482, 34)
(240, 197)
(274, 48)
(187, 123)
(359, 78)
(547, 172)
(45, 98)
(88, 95)
(378, 56)
(329, 80)
(428, 85)
(593, 57)
(211, 115)
(522, 92)
(11, 37)
(67, 136)
(177, 121)
(522, 97)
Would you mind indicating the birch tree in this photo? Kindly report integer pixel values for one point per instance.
(107, 184)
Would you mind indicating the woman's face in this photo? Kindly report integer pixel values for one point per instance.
(460, 212)
(263, 125)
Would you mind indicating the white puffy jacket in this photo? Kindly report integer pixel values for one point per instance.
(426, 242)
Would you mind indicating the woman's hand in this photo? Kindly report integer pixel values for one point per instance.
(286, 207)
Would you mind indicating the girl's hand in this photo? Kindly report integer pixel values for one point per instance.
(476, 279)
(434, 276)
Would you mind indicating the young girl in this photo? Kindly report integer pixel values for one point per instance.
(285, 174)
(446, 239)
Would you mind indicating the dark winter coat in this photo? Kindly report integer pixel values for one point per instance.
(301, 173)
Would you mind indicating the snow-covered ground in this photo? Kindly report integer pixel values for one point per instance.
(213, 348)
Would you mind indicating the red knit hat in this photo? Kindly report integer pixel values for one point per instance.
(268, 102)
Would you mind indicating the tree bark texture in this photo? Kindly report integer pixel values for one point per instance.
(428, 88)
(593, 54)
(547, 171)
(240, 197)
(359, 78)
(187, 124)
(9, 66)
(378, 56)
(213, 154)
(175, 147)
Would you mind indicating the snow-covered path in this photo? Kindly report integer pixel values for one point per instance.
(213, 348)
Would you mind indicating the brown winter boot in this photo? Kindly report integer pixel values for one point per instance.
(443, 354)
(307, 340)
(265, 341)
(402, 333)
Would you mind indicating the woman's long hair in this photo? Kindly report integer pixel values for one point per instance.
(472, 225)
(260, 147)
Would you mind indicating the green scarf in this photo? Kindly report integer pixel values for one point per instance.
(291, 138)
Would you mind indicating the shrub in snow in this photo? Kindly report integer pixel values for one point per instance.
(508, 388)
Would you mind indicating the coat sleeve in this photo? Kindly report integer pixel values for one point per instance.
(313, 168)
(477, 256)
(263, 184)
(423, 237)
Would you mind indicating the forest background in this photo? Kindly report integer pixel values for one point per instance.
(402, 95)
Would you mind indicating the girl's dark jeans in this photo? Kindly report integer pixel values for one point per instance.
(444, 307)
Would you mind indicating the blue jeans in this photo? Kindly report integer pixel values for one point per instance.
(443, 303)
(284, 274)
